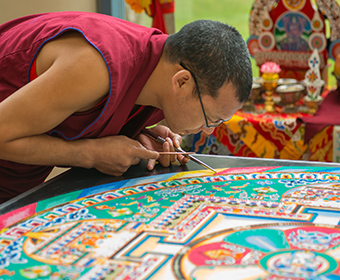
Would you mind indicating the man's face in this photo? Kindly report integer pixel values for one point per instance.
(187, 114)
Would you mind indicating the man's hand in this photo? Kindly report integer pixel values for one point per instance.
(172, 140)
(115, 154)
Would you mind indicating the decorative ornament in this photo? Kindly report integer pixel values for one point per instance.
(294, 4)
(331, 10)
(253, 44)
(266, 20)
(270, 68)
(314, 62)
(317, 23)
(314, 83)
(270, 78)
(267, 41)
(255, 25)
(312, 76)
(317, 41)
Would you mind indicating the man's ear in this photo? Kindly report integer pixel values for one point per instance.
(180, 80)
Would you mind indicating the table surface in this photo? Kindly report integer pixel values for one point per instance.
(79, 178)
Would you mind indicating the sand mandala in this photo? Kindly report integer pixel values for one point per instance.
(241, 223)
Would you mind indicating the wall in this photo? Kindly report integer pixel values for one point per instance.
(10, 9)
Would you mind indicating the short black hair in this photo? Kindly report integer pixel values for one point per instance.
(216, 53)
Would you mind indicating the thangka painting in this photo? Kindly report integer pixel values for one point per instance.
(240, 223)
(287, 32)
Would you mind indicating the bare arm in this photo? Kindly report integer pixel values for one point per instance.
(72, 77)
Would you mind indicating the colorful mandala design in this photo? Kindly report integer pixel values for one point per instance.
(328, 9)
(267, 41)
(317, 41)
(253, 45)
(247, 223)
(268, 251)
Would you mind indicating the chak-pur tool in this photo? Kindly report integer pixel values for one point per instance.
(161, 140)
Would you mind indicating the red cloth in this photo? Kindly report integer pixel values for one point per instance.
(158, 19)
(327, 114)
(131, 53)
(157, 10)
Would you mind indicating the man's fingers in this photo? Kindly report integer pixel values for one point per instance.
(175, 138)
(146, 154)
(151, 164)
(182, 159)
(164, 160)
(170, 149)
(177, 141)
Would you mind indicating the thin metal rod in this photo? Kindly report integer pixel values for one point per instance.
(161, 140)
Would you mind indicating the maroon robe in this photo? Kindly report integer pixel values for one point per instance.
(131, 53)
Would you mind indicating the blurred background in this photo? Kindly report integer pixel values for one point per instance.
(233, 12)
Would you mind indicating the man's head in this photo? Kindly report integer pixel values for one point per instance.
(216, 53)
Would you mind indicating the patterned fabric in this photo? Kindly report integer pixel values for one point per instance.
(265, 135)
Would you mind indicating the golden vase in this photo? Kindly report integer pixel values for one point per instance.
(269, 83)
